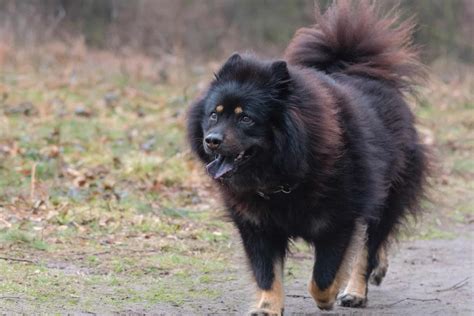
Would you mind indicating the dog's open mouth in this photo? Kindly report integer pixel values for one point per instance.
(226, 166)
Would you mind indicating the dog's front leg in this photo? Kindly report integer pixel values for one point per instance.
(334, 258)
(265, 252)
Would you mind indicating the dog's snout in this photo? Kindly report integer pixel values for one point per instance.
(213, 140)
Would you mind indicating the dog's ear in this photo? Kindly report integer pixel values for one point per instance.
(280, 76)
(279, 70)
(194, 129)
(234, 58)
(230, 64)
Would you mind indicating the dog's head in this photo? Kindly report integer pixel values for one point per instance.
(233, 126)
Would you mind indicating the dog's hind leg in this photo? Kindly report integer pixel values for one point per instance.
(370, 264)
(380, 270)
(355, 293)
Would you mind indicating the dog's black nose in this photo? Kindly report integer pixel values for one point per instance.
(213, 140)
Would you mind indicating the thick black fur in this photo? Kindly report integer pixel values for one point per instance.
(330, 124)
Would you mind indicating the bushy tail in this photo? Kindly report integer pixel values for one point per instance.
(354, 38)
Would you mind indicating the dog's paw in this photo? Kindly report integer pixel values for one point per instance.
(349, 300)
(380, 270)
(376, 277)
(264, 312)
(326, 306)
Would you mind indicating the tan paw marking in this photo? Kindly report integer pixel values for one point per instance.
(324, 299)
(357, 285)
(349, 300)
(271, 302)
(265, 312)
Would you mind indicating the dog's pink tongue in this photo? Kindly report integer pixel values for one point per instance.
(220, 167)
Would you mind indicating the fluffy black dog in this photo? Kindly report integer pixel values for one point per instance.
(319, 146)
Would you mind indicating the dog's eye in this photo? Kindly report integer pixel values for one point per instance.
(213, 116)
(246, 119)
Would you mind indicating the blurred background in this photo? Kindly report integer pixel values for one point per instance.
(211, 29)
(102, 207)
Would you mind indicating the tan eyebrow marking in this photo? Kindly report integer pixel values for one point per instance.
(238, 110)
(219, 108)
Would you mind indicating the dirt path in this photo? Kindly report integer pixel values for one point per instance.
(425, 278)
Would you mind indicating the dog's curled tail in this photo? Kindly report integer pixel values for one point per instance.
(354, 38)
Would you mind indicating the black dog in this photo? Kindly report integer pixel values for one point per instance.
(319, 146)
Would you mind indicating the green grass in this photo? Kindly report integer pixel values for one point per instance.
(17, 237)
(54, 290)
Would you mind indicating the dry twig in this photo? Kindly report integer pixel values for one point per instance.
(456, 286)
(413, 299)
(33, 183)
(298, 296)
(11, 298)
(18, 260)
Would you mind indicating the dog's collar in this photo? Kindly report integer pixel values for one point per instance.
(285, 189)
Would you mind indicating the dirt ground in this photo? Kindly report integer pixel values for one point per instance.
(432, 277)
(426, 277)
